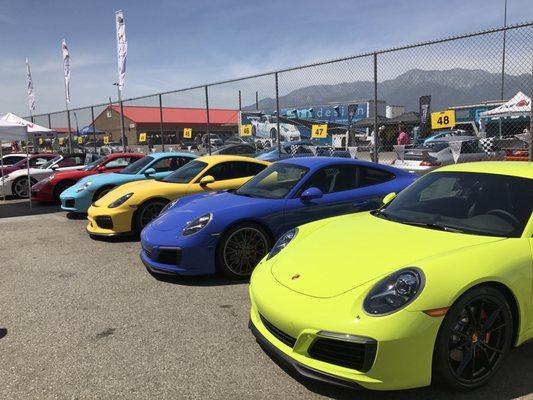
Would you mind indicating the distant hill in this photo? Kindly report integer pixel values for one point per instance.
(447, 88)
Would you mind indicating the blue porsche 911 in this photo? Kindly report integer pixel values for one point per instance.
(231, 231)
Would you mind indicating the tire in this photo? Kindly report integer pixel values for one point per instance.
(146, 213)
(102, 192)
(60, 188)
(473, 340)
(241, 248)
(19, 187)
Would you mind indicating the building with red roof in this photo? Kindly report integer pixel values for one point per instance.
(141, 119)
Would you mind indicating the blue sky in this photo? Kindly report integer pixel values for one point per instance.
(173, 44)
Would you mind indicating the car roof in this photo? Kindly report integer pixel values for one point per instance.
(220, 158)
(523, 169)
(15, 154)
(317, 162)
(116, 155)
(161, 154)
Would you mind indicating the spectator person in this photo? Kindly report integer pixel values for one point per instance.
(403, 136)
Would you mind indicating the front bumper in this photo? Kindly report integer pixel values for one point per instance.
(404, 340)
(104, 221)
(165, 253)
(76, 202)
(42, 192)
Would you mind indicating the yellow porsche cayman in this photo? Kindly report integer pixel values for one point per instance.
(130, 207)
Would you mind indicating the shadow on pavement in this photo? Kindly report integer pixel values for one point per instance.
(21, 208)
(203, 280)
(515, 379)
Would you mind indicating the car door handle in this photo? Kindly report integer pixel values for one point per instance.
(360, 203)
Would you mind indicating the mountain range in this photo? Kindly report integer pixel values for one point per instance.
(447, 88)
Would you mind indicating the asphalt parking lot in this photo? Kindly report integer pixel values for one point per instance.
(81, 318)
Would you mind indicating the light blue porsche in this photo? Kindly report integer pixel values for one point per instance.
(78, 198)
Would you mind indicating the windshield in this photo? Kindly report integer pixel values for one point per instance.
(274, 182)
(51, 162)
(465, 202)
(92, 165)
(137, 166)
(186, 173)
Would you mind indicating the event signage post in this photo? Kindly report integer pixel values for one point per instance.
(425, 112)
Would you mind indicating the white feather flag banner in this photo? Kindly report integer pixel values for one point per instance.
(66, 68)
(31, 93)
(122, 48)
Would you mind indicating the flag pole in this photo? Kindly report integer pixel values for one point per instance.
(2, 166)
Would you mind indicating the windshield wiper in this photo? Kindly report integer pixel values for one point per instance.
(432, 225)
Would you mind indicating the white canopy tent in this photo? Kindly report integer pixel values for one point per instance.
(33, 129)
(518, 106)
(10, 132)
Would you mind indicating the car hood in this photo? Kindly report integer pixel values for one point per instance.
(333, 256)
(143, 190)
(192, 207)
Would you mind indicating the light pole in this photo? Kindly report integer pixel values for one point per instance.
(122, 138)
(77, 126)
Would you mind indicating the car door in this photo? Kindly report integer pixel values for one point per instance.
(346, 188)
(227, 175)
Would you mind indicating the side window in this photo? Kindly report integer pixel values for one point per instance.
(119, 162)
(35, 162)
(220, 171)
(71, 161)
(165, 164)
(373, 176)
(10, 160)
(243, 169)
(333, 179)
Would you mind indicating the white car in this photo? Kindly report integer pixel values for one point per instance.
(13, 158)
(16, 182)
(266, 127)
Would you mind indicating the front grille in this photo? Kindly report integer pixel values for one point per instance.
(164, 256)
(169, 256)
(359, 356)
(278, 334)
(70, 203)
(104, 222)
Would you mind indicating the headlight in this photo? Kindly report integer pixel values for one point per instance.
(197, 225)
(84, 186)
(166, 208)
(120, 201)
(282, 242)
(394, 292)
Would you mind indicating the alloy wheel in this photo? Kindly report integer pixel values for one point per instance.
(243, 249)
(477, 341)
(149, 212)
(20, 187)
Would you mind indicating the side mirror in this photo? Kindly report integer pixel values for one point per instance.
(312, 193)
(149, 172)
(101, 168)
(388, 198)
(206, 180)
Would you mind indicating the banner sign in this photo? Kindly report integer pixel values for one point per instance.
(187, 133)
(352, 112)
(31, 94)
(66, 69)
(61, 141)
(443, 119)
(319, 131)
(142, 137)
(80, 140)
(122, 48)
(106, 139)
(424, 112)
(246, 130)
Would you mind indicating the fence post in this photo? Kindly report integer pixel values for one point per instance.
(375, 153)
(161, 122)
(69, 132)
(207, 125)
(278, 137)
(94, 129)
(256, 100)
(531, 113)
(122, 130)
(240, 101)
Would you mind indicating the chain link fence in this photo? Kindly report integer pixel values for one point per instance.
(469, 94)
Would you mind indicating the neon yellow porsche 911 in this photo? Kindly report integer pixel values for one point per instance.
(130, 207)
(436, 286)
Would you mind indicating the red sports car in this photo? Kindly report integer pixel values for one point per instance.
(49, 189)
